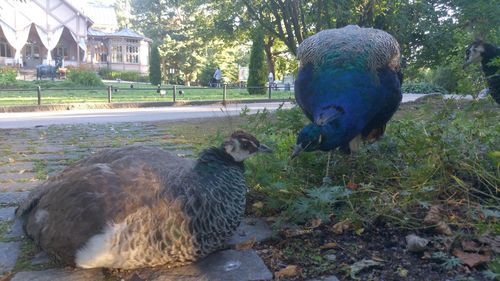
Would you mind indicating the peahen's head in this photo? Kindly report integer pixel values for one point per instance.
(242, 145)
(309, 139)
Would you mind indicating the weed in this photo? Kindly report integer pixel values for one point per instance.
(441, 152)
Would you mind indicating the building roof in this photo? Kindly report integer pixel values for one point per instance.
(125, 32)
(103, 16)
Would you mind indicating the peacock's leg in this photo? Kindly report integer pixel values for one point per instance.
(327, 180)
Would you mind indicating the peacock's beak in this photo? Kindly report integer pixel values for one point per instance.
(297, 150)
(264, 148)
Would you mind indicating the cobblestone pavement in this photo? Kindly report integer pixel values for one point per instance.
(29, 156)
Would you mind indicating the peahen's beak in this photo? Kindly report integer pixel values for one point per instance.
(264, 148)
(297, 150)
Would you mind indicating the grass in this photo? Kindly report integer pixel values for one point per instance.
(61, 92)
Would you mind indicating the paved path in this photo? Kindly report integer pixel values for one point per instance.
(101, 116)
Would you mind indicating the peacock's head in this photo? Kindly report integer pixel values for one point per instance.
(309, 139)
(242, 145)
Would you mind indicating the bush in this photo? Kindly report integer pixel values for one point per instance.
(133, 76)
(154, 66)
(7, 76)
(84, 77)
(207, 73)
(411, 87)
(257, 77)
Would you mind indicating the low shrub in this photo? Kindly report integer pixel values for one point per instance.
(7, 76)
(133, 76)
(445, 152)
(84, 77)
(411, 87)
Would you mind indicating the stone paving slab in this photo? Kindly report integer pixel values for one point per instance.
(11, 198)
(9, 252)
(60, 275)
(17, 176)
(229, 265)
(249, 228)
(15, 230)
(17, 167)
(7, 214)
(18, 186)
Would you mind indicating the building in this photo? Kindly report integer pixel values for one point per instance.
(37, 31)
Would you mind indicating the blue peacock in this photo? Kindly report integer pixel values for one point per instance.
(348, 85)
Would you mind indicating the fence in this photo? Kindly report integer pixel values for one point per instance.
(132, 93)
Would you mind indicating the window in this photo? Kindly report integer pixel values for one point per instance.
(117, 51)
(132, 48)
(100, 52)
(60, 51)
(4, 48)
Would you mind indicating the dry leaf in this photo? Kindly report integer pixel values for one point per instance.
(493, 242)
(289, 271)
(22, 171)
(471, 259)
(471, 246)
(443, 228)
(327, 246)
(258, 205)
(352, 185)
(292, 232)
(245, 245)
(342, 226)
(434, 215)
(315, 223)
(360, 265)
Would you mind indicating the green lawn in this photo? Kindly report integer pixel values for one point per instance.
(61, 92)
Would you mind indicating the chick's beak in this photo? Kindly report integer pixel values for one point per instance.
(264, 148)
(297, 150)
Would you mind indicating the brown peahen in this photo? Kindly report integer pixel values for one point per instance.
(141, 206)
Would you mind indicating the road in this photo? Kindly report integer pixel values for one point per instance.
(99, 116)
(45, 118)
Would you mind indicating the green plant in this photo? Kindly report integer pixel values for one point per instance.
(257, 76)
(422, 88)
(7, 76)
(154, 66)
(84, 77)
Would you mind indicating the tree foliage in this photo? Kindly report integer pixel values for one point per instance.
(154, 66)
(257, 70)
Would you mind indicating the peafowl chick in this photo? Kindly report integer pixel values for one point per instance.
(141, 206)
(348, 85)
(485, 53)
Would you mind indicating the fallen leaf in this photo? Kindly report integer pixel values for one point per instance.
(342, 226)
(360, 265)
(289, 271)
(493, 242)
(315, 223)
(443, 228)
(22, 171)
(471, 246)
(329, 245)
(352, 185)
(258, 205)
(245, 245)
(433, 215)
(415, 243)
(402, 272)
(471, 259)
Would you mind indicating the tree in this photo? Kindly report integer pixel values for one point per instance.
(154, 66)
(257, 69)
